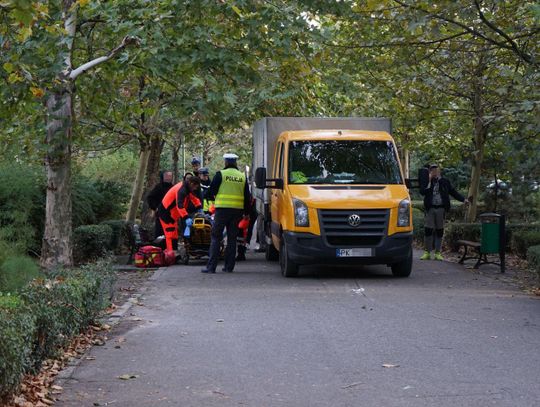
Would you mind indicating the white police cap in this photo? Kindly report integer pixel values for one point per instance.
(230, 156)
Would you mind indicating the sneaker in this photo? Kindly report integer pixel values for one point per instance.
(426, 255)
(438, 256)
(208, 271)
(225, 270)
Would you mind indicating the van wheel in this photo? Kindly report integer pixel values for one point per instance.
(270, 253)
(403, 268)
(288, 267)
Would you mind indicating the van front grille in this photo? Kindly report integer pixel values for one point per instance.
(368, 230)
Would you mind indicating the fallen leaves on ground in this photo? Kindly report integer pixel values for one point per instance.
(40, 390)
(128, 376)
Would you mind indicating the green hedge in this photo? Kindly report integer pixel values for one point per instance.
(17, 330)
(17, 271)
(119, 231)
(533, 258)
(91, 242)
(35, 326)
(523, 239)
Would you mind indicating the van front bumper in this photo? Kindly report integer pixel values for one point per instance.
(306, 248)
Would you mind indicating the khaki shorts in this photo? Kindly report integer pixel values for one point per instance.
(434, 218)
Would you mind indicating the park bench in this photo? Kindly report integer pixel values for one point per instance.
(492, 238)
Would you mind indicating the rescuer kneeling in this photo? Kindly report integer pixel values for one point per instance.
(182, 200)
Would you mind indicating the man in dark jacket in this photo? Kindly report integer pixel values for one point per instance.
(436, 203)
(156, 195)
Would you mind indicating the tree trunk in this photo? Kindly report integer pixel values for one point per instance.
(152, 179)
(56, 245)
(480, 135)
(138, 184)
(404, 153)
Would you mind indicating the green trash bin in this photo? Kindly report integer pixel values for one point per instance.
(492, 237)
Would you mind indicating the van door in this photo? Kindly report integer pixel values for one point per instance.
(276, 196)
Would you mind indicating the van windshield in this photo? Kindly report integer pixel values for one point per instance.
(343, 162)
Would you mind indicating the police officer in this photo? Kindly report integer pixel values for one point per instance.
(195, 165)
(232, 201)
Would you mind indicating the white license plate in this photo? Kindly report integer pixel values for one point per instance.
(357, 252)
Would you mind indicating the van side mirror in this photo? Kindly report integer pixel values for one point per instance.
(261, 181)
(260, 177)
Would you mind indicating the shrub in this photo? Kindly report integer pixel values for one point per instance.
(120, 166)
(34, 325)
(7, 250)
(91, 242)
(533, 258)
(418, 224)
(85, 198)
(16, 272)
(118, 233)
(523, 239)
(22, 203)
(17, 329)
(64, 305)
(102, 272)
(114, 199)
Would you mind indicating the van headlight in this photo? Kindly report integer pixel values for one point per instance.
(301, 214)
(404, 213)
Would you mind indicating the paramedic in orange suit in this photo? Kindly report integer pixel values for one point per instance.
(181, 200)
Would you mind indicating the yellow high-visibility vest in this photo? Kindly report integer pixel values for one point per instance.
(231, 190)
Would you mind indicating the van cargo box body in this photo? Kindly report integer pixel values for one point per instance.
(331, 191)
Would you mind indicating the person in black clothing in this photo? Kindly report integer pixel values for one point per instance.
(436, 194)
(229, 189)
(243, 242)
(204, 175)
(156, 195)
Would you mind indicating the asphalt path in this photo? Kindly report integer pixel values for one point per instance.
(446, 336)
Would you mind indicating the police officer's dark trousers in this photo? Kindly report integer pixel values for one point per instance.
(225, 218)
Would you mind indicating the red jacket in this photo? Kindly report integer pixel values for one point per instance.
(174, 203)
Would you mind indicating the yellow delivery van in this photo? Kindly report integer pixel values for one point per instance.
(331, 191)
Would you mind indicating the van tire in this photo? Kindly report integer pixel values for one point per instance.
(403, 268)
(288, 267)
(270, 253)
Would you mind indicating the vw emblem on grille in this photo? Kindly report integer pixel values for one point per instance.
(354, 220)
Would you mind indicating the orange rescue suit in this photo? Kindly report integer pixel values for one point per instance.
(172, 208)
